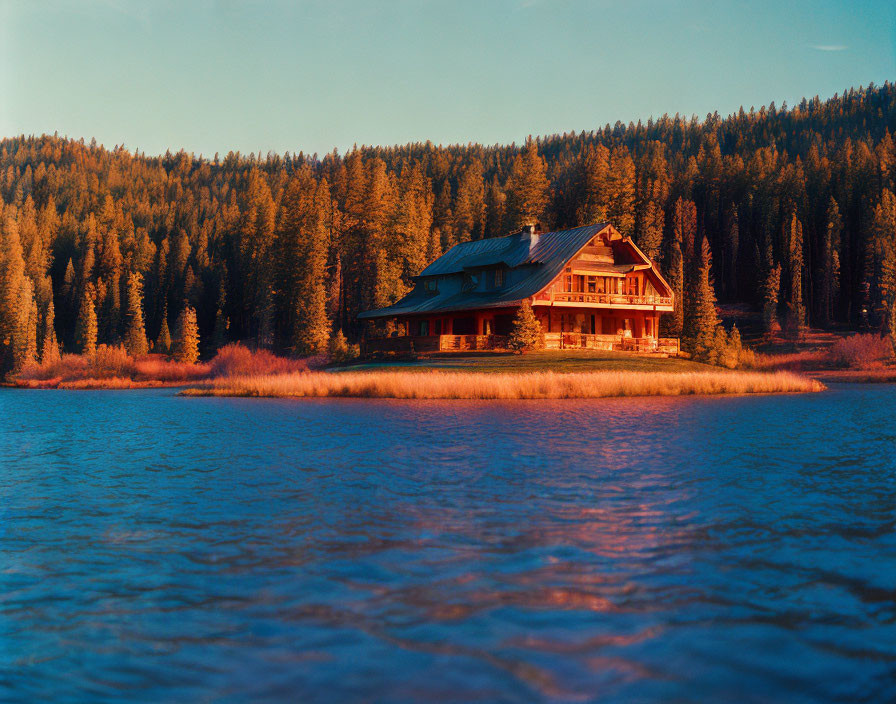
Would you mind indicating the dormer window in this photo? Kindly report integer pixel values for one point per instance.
(499, 278)
(431, 285)
(471, 281)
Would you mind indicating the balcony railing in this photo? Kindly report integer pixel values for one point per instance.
(607, 299)
(618, 343)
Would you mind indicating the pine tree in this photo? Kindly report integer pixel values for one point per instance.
(527, 188)
(526, 333)
(650, 235)
(703, 319)
(731, 246)
(86, 328)
(49, 348)
(25, 347)
(314, 331)
(257, 227)
(883, 229)
(495, 210)
(15, 308)
(186, 344)
(18, 317)
(830, 282)
(652, 197)
(593, 185)
(135, 335)
(796, 313)
(222, 324)
(303, 242)
(469, 209)
(163, 341)
(771, 287)
(684, 226)
(621, 191)
(674, 324)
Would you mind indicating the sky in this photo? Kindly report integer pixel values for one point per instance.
(256, 76)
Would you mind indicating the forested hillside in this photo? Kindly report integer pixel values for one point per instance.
(796, 204)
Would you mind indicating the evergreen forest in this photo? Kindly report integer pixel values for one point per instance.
(789, 210)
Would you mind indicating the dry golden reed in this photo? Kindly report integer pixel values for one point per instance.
(534, 385)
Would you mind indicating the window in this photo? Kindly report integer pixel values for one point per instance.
(632, 282)
(471, 281)
(499, 278)
(568, 283)
(424, 328)
(592, 284)
(431, 285)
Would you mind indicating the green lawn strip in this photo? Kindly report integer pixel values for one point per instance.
(561, 362)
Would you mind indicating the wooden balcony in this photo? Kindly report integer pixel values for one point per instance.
(615, 300)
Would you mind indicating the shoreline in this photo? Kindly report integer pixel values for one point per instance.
(237, 371)
(114, 384)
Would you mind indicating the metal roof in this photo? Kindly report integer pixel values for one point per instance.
(544, 256)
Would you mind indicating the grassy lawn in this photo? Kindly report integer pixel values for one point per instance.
(557, 361)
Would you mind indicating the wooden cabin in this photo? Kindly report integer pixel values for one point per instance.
(589, 287)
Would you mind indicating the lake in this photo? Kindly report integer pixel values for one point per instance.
(158, 548)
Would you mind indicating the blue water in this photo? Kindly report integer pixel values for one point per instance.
(157, 548)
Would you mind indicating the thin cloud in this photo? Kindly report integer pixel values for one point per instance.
(830, 47)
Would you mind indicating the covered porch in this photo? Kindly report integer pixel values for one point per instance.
(566, 327)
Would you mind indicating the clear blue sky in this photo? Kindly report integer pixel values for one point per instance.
(253, 75)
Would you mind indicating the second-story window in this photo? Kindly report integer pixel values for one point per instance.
(499, 278)
(431, 286)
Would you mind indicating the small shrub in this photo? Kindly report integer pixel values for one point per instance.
(861, 351)
(67, 366)
(112, 361)
(526, 333)
(748, 359)
(236, 360)
(156, 367)
(340, 350)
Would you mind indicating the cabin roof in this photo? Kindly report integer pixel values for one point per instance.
(542, 255)
(513, 250)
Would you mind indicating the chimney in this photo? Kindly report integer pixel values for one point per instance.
(530, 233)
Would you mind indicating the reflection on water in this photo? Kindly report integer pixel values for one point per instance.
(154, 548)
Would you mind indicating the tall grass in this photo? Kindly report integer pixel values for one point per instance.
(537, 385)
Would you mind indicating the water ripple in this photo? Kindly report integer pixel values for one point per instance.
(155, 548)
